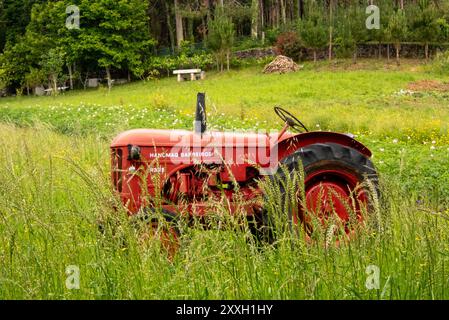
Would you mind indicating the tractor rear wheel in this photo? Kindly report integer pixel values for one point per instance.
(339, 182)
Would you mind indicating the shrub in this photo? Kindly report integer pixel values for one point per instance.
(221, 38)
(314, 33)
(289, 44)
(165, 65)
(440, 64)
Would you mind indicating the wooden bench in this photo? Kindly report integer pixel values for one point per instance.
(193, 73)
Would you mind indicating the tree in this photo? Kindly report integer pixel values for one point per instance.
(313, 32)
(14, 18)
(379, 35)
(34, 78)
(52, 64)
(2, 79)
(115, 33)
(15, 63)
(221, 37)
(424, 23)
(179, 26)
(354, 31)
(397, 30)
(254, 19)
(331, 28)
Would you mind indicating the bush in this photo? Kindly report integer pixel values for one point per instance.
(271, 35)
(440, 64)
(248, 43)
(164, 65)
(289, 44)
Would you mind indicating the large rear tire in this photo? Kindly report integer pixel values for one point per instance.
(339, 182)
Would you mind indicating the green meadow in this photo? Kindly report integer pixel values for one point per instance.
(55, 188)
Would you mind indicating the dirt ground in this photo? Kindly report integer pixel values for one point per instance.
(428, 85)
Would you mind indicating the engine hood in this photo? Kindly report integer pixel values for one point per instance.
(169, 138)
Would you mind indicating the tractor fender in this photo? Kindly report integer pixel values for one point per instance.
(290, 144)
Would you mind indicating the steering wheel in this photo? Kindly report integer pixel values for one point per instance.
(290, 119)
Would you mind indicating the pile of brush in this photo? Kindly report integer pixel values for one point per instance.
(281, 64)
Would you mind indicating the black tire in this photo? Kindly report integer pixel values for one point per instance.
(316, 157)
(148, 216)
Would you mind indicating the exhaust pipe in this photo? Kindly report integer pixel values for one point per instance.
(200, 115)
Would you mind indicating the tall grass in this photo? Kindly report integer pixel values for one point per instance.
(55, 189)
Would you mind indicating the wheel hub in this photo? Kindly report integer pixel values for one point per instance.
(328, 198)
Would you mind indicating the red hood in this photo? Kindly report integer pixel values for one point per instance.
(168, 138)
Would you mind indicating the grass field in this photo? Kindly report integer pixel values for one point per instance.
(55, 188)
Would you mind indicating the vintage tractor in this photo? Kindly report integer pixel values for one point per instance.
(182, 172)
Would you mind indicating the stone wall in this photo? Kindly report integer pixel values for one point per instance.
(408, 50)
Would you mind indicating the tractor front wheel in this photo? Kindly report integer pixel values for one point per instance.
(160, 227)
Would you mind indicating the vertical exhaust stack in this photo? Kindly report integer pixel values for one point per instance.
(200, 115)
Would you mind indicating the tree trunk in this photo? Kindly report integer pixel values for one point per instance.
(314, 56)
(189, 30)
(108, 75)
(283, 12)
(69, 66)
(277, 11)
(296, 12)
(426, 50)
(254, 19)
(170, 27)
(228, 59)
(388, 52)
(330, 30)
(129, 76)
(398, 46)
(54, 79)
(354, 56)
(379, 52)
(85, 80)
(179, 26)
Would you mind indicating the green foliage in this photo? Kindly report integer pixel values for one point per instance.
(52, 64)
(56, 195)
(116, 33)
(314, 31)
(289, 44)
(36, 77)
(221, 37)
(271, 35)
(350, 31)
(15, 62)
(440, 65)
(2, 79)
(113, 34)
(397, 29)
(166, 64)
(14, 18)
(423, 22)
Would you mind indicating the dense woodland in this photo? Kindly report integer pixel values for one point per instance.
(141, 39)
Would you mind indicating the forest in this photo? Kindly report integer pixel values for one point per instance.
(66, 42)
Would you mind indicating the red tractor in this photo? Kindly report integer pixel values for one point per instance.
(182, 172)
